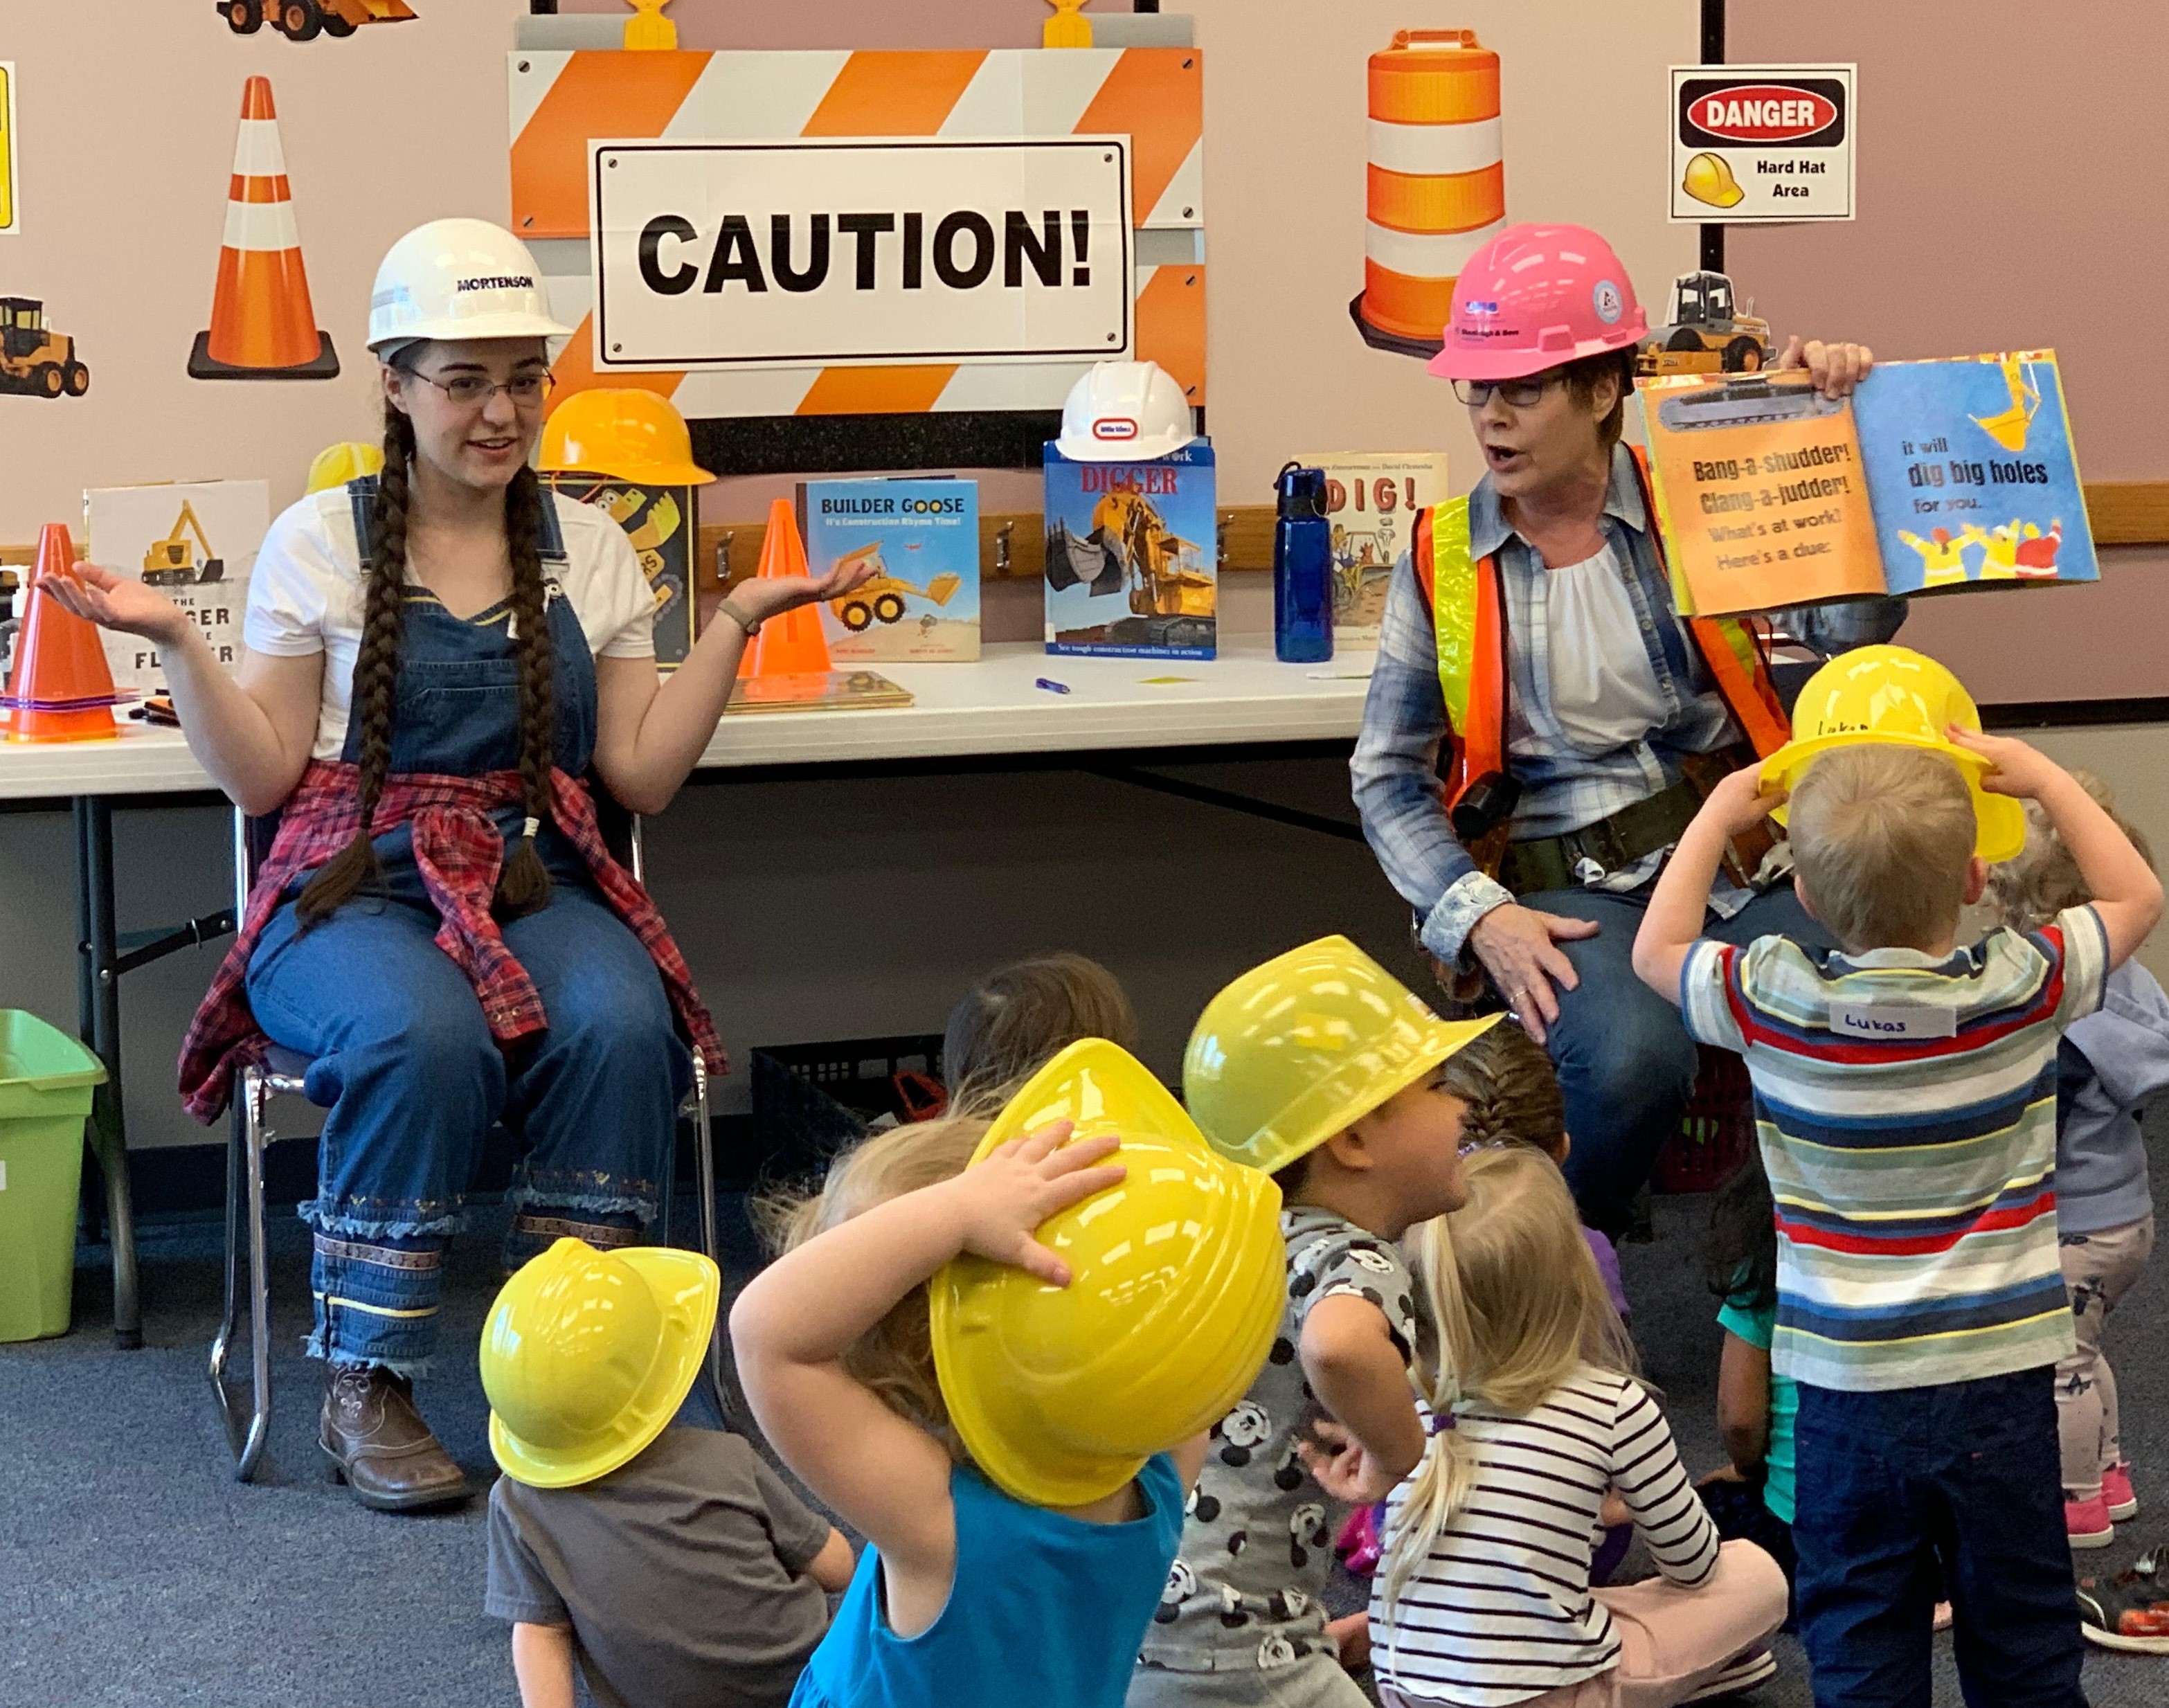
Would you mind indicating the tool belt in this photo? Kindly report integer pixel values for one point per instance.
(1635, 832)
(1615, 843)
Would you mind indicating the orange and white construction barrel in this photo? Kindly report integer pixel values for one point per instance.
(1438, 183)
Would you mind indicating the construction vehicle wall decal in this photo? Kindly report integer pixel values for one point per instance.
(1701, 334)
(880, 599)
(34, 359)
(303, 20)
(172, 562)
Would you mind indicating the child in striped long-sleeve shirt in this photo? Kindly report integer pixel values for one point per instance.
(1905, 1092)
(1484, 1598)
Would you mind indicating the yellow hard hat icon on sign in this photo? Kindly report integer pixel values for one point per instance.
(1709, 179)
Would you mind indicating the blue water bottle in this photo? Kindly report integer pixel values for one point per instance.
(1303, 569)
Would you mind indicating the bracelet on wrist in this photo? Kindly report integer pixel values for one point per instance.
(730, 608)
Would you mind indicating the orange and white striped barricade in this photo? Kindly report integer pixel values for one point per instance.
(1155, 96)
(1436, 183)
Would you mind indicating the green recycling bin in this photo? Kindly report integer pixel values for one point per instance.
(45, 1083)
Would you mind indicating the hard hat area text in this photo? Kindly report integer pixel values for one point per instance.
(1762, 142)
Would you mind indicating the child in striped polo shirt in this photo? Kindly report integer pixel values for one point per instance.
(1905, 1092)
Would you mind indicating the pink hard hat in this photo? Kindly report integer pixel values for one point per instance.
(1535, 296)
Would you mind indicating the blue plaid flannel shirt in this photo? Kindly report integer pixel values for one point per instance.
(1394, 771)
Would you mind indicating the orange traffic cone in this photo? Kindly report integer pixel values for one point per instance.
(263, 326)
(61, 688)
(792, 644)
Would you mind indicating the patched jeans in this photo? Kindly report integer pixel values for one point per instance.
(404, 1062)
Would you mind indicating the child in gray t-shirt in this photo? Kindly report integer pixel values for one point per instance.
(1323, 1068)
(670, 1564)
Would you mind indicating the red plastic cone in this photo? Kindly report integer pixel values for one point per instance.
(61, 688)
(792, 644)
(263, 326)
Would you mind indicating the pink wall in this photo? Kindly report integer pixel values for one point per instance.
(2010, 176)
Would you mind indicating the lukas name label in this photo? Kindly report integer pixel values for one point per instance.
(1893, 1022)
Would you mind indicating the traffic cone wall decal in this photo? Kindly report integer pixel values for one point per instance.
(61, 688)
(792, 644)
(262, 325)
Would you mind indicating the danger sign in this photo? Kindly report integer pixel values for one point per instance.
(1761, 143)
(855, 252)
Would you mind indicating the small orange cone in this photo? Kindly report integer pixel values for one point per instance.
(792, 644)
(61, 688)
(263, 326)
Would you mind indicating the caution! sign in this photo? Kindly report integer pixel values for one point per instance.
(1753, 143)
(859, 252)
(10, 222)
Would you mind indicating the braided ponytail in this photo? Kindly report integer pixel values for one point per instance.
(1512, 1092)
(375, 673)
(523, 886)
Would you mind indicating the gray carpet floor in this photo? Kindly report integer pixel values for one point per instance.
(134, 1570)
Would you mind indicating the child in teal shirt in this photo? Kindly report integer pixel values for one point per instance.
(1752, 1496)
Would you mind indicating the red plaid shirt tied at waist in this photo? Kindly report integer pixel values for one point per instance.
(458, 851)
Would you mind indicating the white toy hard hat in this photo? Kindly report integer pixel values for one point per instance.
(459, 279)
(1125, 412)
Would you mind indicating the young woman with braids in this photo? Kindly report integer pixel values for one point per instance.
(437, 659)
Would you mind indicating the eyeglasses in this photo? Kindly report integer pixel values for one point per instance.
(475, 391)
(1519, 394)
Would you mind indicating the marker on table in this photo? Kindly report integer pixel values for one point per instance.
(1052, 687)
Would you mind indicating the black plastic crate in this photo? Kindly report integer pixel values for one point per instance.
(812, 1100)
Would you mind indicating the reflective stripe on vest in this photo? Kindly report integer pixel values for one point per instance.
(1465, 617)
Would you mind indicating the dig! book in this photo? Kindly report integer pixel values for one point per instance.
(1935, 476)
(921, 605)
(1132, 555)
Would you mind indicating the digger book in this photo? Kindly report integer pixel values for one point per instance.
(1131, 556)
(921, 605)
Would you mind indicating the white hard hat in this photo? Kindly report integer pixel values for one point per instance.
(459, 279)
(1125, 412)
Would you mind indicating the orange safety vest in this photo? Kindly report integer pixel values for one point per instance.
(1467, 618)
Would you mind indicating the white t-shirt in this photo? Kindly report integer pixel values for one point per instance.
(1604, 691)
(305, 595)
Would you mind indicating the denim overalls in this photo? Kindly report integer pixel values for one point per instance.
(402, 1058)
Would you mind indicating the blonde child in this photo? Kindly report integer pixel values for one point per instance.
(966, 1596)
(1322, 1068)
(1484, 1599)
(2110, 1065)
(1905, 1088)
(667, 1564)
(1018, 1017)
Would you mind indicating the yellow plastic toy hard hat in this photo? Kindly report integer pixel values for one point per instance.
(1896, 695)
(587, 1354)
(624, 432)
(1289, 1053)
(1709, 179)
(1060, 1394)
(337, 464)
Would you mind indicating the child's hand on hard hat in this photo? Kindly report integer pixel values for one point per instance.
(1835, 368)
(1002, 1200)
(1741, 802)
(1344, 1466)
(115, 601)
(2014, 768)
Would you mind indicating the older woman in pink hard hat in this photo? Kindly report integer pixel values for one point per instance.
(1543, 721)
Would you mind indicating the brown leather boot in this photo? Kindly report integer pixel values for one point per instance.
(379, 1445)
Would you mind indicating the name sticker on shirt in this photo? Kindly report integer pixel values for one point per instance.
(1893, 1020)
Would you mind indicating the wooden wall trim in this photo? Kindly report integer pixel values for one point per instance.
(2123, 513)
